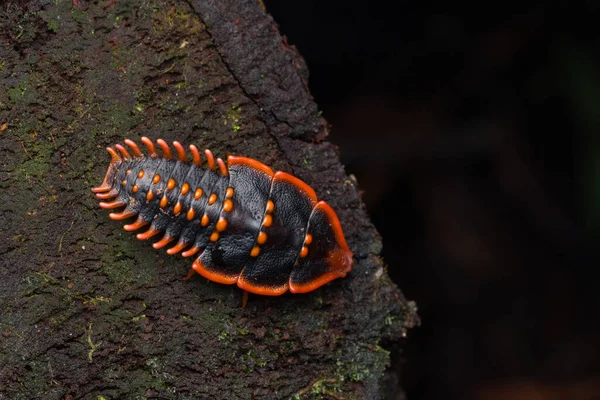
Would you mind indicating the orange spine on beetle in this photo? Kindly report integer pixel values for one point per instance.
(262, 230)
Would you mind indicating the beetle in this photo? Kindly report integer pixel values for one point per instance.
(265, 231)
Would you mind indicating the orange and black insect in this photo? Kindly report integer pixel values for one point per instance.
(262, 230)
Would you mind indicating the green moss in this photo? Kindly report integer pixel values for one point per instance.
(79, 16)
(254, 359)
(389, 319)
(381, 350)
(322, 388)
(354, 372)
(118, 270)
(52, 25)
(19, 238)
(232, 118)
(10, 330)
(23, 93)
(37, 152)
(135, 319)
(356, 363)
(287, 347)
(93, 347)
(179, 20)
(224, 333)
(120, 118)
(21, 32)
(33, 168)
(35, 380)
(161, 380)
(123, 264)
(96, 300)
(47, 279)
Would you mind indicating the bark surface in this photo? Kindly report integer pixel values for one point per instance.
(86, 310)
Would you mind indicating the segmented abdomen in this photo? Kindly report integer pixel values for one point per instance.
(265, 231)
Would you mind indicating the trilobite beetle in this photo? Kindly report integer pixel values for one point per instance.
(247, 225)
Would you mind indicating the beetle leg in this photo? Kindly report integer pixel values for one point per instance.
(190, 274)
(244, 299)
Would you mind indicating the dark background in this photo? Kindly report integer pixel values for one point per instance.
(474, 132)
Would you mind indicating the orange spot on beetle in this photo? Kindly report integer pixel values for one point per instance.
(177, 208)
(262, 238)
(141, 174)
(229, 193)
(221, 225)
(135, 188)
(190, 214)
(268, 220)
(171, 184)
(255, 251)
(197, 194)
(270, 206)
(156, 179)
(212, 199)
(227, 205)
(204, 221)
(304, 252)
(185, 189)
(150, 195)
(214, 237)
(308, 239)
(164, 201)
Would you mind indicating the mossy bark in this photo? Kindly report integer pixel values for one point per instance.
(86, 310)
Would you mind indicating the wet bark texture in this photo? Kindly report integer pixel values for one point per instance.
(86, 310)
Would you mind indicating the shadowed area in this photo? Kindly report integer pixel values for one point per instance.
(473, 132)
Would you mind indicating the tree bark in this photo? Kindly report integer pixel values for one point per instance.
(86, 310)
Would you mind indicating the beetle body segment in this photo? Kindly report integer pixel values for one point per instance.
(247, 225)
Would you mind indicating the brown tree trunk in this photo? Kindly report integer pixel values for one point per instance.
(86, 310)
